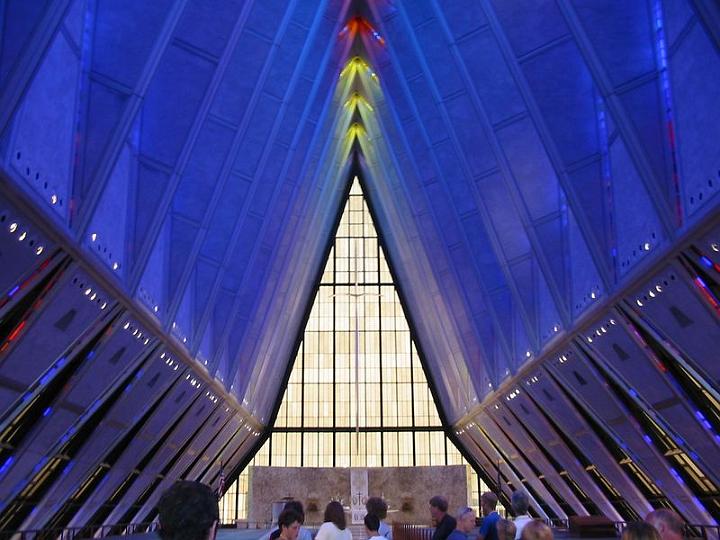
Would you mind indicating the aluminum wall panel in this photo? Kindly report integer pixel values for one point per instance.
(533, 419)
(139, 396)
(682, 316)
(518, 462)
(174, 404)
(551, 398)
(23, 247)
(211, 428)
(118, 351)
(515, 432)
(174, 443)
(507, 472)
(70, 313)
(628, 358)
(210, 453)
(589, 387)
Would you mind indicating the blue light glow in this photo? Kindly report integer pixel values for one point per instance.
(707, 262)
(6, 465)
(15, 289)
(47, 412)
(647, 439)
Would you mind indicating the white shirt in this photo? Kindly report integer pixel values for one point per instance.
(520, 523)
(329, 531)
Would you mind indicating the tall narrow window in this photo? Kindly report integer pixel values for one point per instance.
(357, 395)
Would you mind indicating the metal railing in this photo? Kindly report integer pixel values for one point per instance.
(78, 533)
(691, 530)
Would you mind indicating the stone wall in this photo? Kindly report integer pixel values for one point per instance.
(407, 490)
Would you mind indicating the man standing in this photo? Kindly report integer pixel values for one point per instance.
(465, 524)
(488, 529)
(668, 523)
(520, 505)
(444, 523)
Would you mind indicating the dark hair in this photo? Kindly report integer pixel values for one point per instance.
(377, 507)
(187, 511)
(640, 530)
(439, 502)
(490, 498)
(519, 502)
(287, 517)
(298, 507)
(372, 522)
(335, 513)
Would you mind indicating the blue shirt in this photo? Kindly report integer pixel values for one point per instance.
(457, 535)
(488, 529)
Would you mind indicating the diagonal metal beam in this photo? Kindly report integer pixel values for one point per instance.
(408, 97)
(708, 11)
(556, 289)
(22, 73)
(622, 120)
(182, 161)
(582, 219)
(124, 126)
(241, 220)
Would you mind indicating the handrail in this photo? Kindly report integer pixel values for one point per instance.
(690, 530)
(77, 533)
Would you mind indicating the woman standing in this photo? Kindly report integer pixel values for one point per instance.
(334, 527)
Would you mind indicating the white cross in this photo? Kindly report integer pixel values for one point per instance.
(357, 295)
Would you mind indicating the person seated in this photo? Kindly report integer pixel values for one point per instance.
(378, 507)
(334, 526)
(443, 522)
(640, 530)
(465, 519)
(304, 534)
(537, 529)
(668, 523)
(188, 511)
(488, 529)
(372, 526)
(506, 529)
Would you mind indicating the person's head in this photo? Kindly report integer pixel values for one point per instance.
(506, 529)
(537, 530)
(289, 522)
(465, 519)
(298, 507)
(377, 507)
(488, 502)
(640, 530)
(438, 507)
(335, 513)
(667, 522)
(372, 524)
(520, 503)
(188, 511)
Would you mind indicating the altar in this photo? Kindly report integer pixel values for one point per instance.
(406, 490)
